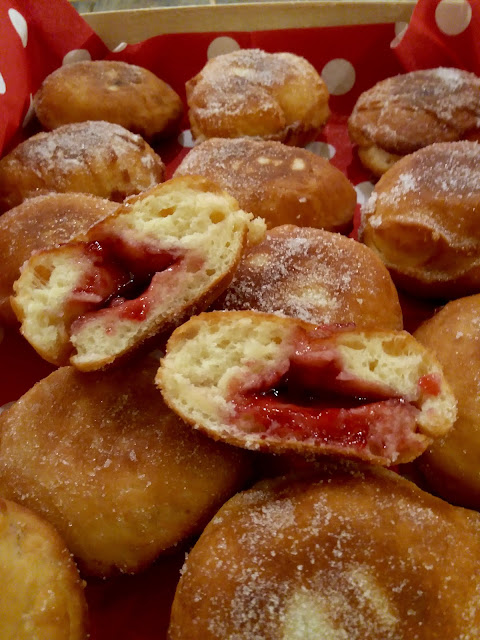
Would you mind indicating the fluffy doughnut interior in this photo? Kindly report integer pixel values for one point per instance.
(134, 272)
(267, 382)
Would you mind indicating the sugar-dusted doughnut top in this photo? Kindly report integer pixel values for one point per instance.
(250, 92)
(422, 219)
(348, 554)
(409, 111)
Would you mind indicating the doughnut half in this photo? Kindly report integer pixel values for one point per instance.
(159, 258)
(279, 384)
(349, 554)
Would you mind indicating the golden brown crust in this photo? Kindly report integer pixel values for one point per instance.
(109, 90)
(282, 184)
(95, 157)
(104, 460)
(42, 593)
(352, 552)
(324, 278)
(422, 220)
(250, 92)
(40, 223)
(451, 464)
(404, 113)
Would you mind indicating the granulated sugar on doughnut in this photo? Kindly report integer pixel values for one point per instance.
(249, 92)
(282, 184)
(160, 257)
(404, 113)
(277, 384)
(451, 464)
(100, 158)
(422, 220)
(348, 554)
(42, 593)
(120, 476)
(41, 223)
(109, 90)
(317, 276)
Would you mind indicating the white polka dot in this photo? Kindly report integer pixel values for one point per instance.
(30, 113)
(364, 191)
(221, 45)
(120, 47)
(400, 31)
(6, 406)
(76, 55)
(3, 86)
(185, 139)
(453, 16)
(339, 76)
(19, 24)
(321, 149)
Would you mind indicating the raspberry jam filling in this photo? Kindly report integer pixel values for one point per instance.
(312, 397)
(121, 278)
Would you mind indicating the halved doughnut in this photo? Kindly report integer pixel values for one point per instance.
(279, 384)
(162, 256)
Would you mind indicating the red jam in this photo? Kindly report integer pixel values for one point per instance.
(315, 399)
(430, 384)
(120, 278)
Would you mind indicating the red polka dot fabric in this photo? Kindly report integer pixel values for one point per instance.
(38, 36)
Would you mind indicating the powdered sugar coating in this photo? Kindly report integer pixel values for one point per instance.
(94, 157)
(251, 92)
(350, 554)
(317, 276)
(422, 217)
(409, 111)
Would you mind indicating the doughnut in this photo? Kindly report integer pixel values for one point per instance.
(410, 111)
(282, 184)
(277, 384)
(162, 256)
(120, 476)
(42, 593)
(272, 96)
(109, 90)
(317, 276)
(350, 553)
(451, 464)
(422, 220)
(40, 223)
(95, 157)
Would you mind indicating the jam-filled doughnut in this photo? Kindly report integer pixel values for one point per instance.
(409, 111)
(42, 593)
(350, 553)
(162, 256)
(282, 184)
(324, 278)
(451, 464)
(40, 223)
(120, 476)
(95, 157)
(249, 92)
(108, 90)
(422, 220)
(265, 382)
